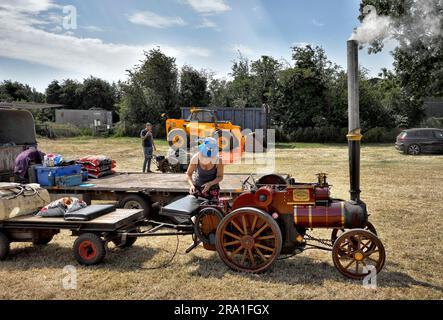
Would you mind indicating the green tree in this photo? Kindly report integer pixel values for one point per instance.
(302, 98)
(219, 93)
(418, 58)
(265, 75)
(71, 92)
(193, 88)
(150, 90)
(158, 72)
(16, 91)
(242, 85)
(53, 92)
(98, 93)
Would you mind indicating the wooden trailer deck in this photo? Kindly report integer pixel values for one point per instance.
(110, 222)
(154, 182)
(133, 190)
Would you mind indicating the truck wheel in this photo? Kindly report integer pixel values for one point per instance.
(89, 249)
(135, 201)
(178, 139)
(226, 140)
(4, 246)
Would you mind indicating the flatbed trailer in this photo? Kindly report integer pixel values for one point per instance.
(92, 236)
(133, 190)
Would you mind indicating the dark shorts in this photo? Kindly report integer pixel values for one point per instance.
(212, 195)
(147, 151)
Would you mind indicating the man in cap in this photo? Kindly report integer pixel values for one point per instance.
(148, 146)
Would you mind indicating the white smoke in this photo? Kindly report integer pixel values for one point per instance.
(373, 27)
(424, 19)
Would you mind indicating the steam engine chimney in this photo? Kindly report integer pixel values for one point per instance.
(354, 136)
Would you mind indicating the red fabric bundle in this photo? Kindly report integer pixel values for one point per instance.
(98, 166)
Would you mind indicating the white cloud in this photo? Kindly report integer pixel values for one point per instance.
(317, 23)
(22, 39)
(151, 19)
(31, 6)
(302, 44)
(209, 6)
(92, 28)
(206, 23)
(243, 49)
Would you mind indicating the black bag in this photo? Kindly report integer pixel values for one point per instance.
(184, 207)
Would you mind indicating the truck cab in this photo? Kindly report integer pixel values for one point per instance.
(203, 123)
(17, 133)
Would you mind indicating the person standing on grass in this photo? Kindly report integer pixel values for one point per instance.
(148, 146)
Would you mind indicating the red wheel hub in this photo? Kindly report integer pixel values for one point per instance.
(87, 250)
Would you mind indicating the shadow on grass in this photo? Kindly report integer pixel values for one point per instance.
(296, 270)
(397, 279)
(304, 270)
(306, 145)
(54, 256)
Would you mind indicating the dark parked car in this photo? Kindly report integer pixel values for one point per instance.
(417, 141)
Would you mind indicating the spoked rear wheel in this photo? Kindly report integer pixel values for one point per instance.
(248, 240)
(356, 252)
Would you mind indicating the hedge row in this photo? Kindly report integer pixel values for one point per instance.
(335, 135)
(125, 129)
(317, 134)
(54, 130)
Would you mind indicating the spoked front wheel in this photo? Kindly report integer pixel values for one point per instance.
(357, 252)
(337, 232)
(248, 240)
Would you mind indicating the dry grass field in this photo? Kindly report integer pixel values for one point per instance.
(404, 196)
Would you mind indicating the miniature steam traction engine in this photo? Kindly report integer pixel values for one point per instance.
(273, 215)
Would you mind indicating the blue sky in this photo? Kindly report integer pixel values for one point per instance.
(110, 36)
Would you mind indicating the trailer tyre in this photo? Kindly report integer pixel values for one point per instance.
(135, 201)
(129, 242)
(118, 241)
(4, 246)
(89, 249)
(43, 241)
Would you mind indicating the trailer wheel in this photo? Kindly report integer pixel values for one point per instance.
(89, 249)
(4, 246)
(135, 201)
(129, 242)
(118, 240)
(42, 241)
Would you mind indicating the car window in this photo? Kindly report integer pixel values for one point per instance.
(424, 134)
(203, 116)
(403, 135)
(438, 134)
